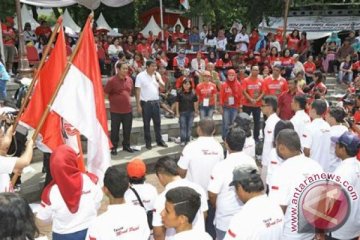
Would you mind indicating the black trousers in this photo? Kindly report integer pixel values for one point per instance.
(256, 112)
(151, 110)
(126, 120)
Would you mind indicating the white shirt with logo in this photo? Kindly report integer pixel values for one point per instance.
(275, 162)
(335, 131)
(149, 87)
(147, 193)
(198, 223)
(269, 138)
(316, 137)
(7, 165)
(227, 202)
(63, 221)
(120, 222)
(250, 147)
(199, 157)
(300, 120)
(192, 234)
(244, 38)
(291, 173)
(259, 219)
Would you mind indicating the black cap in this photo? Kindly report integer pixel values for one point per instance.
(246, 174)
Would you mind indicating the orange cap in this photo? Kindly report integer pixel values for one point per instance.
(136, 168)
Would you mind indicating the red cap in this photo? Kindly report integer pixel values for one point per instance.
(136, 168)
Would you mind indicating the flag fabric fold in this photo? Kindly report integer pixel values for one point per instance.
(185, 4)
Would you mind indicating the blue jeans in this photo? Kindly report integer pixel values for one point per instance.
(80, 235)
(256, 112)
(229, 115)
(186, 122)
(3, 89)
(206, 112)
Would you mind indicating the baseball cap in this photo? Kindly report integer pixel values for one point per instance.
(246, 174)
(136, 168)
(349, 140)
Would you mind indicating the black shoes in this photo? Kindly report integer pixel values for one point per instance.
(148, 146)
(162, 144)
(113, 151)
(128, 149)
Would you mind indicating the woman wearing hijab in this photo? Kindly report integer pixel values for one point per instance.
(71, 199)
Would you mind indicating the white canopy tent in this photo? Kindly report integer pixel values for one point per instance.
(26, 17)
(315, 26)
(102, 24)
(182, 26)
(151, 26)
(69, 22)
(91, 4)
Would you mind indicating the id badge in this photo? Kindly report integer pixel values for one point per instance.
(231, 100)
(173, 92)
(206, 102)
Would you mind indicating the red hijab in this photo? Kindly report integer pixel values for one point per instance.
(67, 176)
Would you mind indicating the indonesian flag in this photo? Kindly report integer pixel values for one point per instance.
(185, 4)
(80, 101)
(54, 132)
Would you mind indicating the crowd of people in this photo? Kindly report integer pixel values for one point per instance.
(211, 191)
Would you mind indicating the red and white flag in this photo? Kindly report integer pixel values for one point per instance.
(185, 4)
(80, 101)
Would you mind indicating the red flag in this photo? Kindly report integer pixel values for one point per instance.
(80, 101)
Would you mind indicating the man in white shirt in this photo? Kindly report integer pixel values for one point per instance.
(269, 109)
(316, 136)
(347, 146)
(260, 218)
(301, 119)
(242, 41)
(166, 171)
(147, 85)
(110, 225)
(335, 117)
(181, 207)
(222, 196)
(295, 169)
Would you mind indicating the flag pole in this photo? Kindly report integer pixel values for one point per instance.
(47, 109)
(34, 79)
(162, 21)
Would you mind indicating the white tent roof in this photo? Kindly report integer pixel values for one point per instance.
(69, 22)
(151, 26)
(182, 26)
(102, 24)
(236, 25)
(26, 17)
(93, 4)
(315, 26)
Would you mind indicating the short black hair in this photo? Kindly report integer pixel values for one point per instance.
(207, 126)
(186, 201)
(338, 113)
(149, 62)
(120, 64)
(116, 181)
(281, 125)
(17, 220)
(319, 106)
(137, 180)
(290, 139)
(235, 138)
(271, 101)
(166, 165)
(243, 121)
(301, 100)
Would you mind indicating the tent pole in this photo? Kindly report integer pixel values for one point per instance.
(162, 21)
(287, 3)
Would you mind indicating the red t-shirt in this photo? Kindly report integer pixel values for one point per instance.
(287, 61)
(177, 35)
(206, 90)
(273, 86)
(253, 87)
(292, 43)
(9, 35)
(231, 94)
(309, 67)
(284, 104)
(356, 66)
(144, 49)
(221, 64)
(119, 91)
(42, 31)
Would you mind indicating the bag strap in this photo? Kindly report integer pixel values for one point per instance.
(138, 197)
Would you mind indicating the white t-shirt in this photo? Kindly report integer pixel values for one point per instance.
(259, 219)
(147, 193)
(243, 47)
(192, 234)
(335, 131)
(291, 173)
(275, 162)
(300, 120)
(7, 165)
(63, 220)
(221, 43)
(250, 147)
(349, 170)
(199, 157)
(227, 202)
(316, 137)
(149, 87)
(269, 138)
(120, 222)
(198, 223)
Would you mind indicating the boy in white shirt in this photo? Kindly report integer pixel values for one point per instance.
(122, 221)
(301, 119)
(181, 207)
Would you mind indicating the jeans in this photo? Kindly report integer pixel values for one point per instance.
(79, 235)
(126, 120)
(206, 112)
(256, 112)
(186, 123)
(220, 234)
(151, 110)
(345, 77)
(229, 115)
(3, 89)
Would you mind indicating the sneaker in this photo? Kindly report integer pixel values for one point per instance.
(183, 143)
(113, 152)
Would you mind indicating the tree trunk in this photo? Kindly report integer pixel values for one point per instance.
(56, 12)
